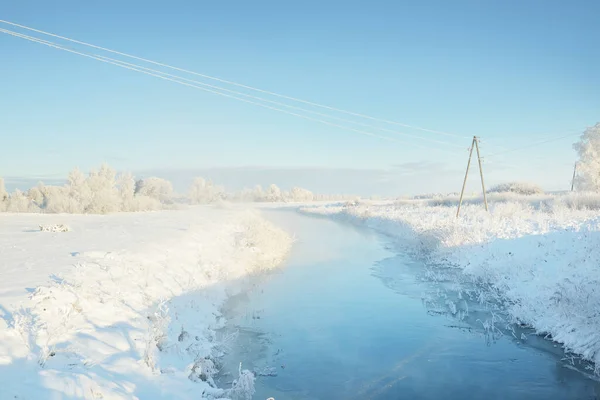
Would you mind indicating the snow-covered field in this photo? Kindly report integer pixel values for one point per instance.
(541, 265)
(126, 305)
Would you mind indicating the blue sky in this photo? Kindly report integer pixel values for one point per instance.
(512, 72)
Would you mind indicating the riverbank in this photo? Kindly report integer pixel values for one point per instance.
(124, 306)
(540, 266)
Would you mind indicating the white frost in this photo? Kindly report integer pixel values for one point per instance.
(132, 305)
(542, 264)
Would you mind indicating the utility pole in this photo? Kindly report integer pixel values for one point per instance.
(573, 180)
(462, 192)
(474, 144)
(476, 141)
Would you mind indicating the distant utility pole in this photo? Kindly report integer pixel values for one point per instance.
(573, 180)
(475, 144)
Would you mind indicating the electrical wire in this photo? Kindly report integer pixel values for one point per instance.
(533, 144)
(282, 104)
(161, 76)
(235, 83)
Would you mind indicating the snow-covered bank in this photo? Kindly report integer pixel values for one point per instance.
(131, 307)
(543, 267)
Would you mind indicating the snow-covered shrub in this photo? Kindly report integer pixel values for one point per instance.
(78, 191)
(145, 203)
(203, 370)
(130, 201)
(36, 195)
(522, 188)
(54, 228)
(258, 193)
(588, 166)
(577, 201)
(3, 196)
(298, 194)
(100, 192)
(156, 188)
(243, 387)
(104, 194)
(204, 192)
(19, 203)
(446, 201)
(126, 190)
(57, 199)
(273, 194)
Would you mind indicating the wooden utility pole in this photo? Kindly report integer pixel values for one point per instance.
(573, 180)
(474, 144)
(476, 140)
(462, 192)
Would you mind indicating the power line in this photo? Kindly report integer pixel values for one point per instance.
(533, 144)
(492, 141)
(236, 84)
(120, 64)
(280, 103)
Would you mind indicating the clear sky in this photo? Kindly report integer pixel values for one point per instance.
(512, 72)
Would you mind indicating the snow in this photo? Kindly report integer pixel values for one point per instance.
(125, 305)
(541, 266)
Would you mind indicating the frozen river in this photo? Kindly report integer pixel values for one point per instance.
(344, 318)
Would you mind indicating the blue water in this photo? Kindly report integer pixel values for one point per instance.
(344, 319)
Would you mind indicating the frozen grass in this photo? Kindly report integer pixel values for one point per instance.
(538, 258)
(522, 188)
(134, 313)
(538, 201)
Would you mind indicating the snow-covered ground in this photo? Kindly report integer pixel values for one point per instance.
(126, 305)
(541, 267)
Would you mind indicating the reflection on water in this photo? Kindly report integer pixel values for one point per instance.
(345, 319)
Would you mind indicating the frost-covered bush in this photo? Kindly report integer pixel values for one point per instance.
(577, 201)
(156, 188)
(273, 194)
(257, 194)
(100, 192)
(522, 188)
(103, 191)
(126, 191)
(19, 203)
(36, 195)
(588, 166)
(298, 194)
(104, 197)
(3, 196)
(204, 192)
(242, 388)
(54, 228)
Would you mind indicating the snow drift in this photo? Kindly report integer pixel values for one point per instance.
(129, 320)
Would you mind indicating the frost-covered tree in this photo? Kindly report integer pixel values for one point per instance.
(156, 188)
(36, 195)
(58, 200)
(300, 195)
(273, 194)
(98, 193)
(104, 194)
(126, 189)
(257, 194)
(79, 191)
(18, 202)
(203, 192)
(3, 196)
(588, 166)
